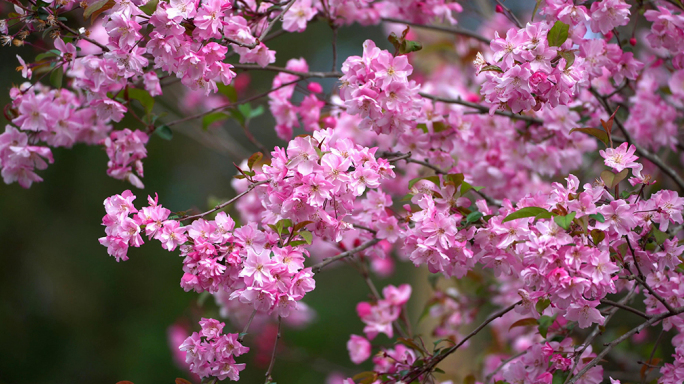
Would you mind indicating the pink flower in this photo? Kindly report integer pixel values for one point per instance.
(359, 349)
(585, 313)
(620, 158)
(608, 14)
(295, 19)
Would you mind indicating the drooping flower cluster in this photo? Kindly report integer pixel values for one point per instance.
(212, 353)
(280, 102)
(667, 32)
(126, 149)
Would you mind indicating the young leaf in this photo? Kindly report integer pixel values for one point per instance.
(491, 68)
(542, 304)
(56, 77)
(544, 324)
(525, 212)
(558, 34)
(473, 217)
(254, 159)
(565, 221)
(569, 57)
(598, 217)
(523, 323)
(228, 91)
(306, 235)
(212, 118)
(143, 97)
(597, 133)
(164, 132)
(612, 179)
(433, 179)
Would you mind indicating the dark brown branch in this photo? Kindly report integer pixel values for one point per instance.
(317, 268)
(224, 204)
(626, 308)
(441, 28)
(273, 356)
(482, 108)
(428, 367)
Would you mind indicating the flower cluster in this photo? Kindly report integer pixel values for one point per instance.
(317, 180)
(280, 102)
(126, 149)
(537, 65)
(667, 32)
(376, 87)
(212, 353)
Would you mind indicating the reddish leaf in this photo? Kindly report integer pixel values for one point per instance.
(524, 323)
(597, 133)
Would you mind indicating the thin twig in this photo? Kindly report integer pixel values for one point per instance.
(231, 105)
(622, 338)
(650, 358)
(626, 308)
(482, 108)
(437, 359)
(246, 328)
(441, 28)
(511, 16)
(225, 204)
(275, 20)
(304, 75)
(641, 151)
(275, 347)
(317, 268)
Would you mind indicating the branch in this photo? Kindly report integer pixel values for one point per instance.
(626, 308)
(81, 36)
(597, 330)
(246, 328)
(429, 366)
(317, 268)
(511, 15)
(230, 105)
(440, 28)
(272, 68)
(641, 151)
(275, 20)
(225, 204)
(275, 347)
(482, 108)
(622, 338)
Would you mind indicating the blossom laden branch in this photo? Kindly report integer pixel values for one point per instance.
(224, 204)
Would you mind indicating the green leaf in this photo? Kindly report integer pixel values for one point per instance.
(525, 212)
(433, 179)
(164, 132)
(569, 57)
(56, 77)
(283, 224)
(365, 377)
(96, 8)
(439, 126)
(410, 46)
(542, 304)
(660, 236)
(536, 8)
(597, 235)
(491, 68)
(465, 187)
(228, 91)
(470, 379)
(254, 159)
(143, 97)
(454, 179)
(473, 217)
(598, 217)
(523, 323)
(212, 118)
(150, 7)
(558, 34)
(612, 179)
(544, 324)
(45, 55)
(237, 115)
(307, 236)
(439, 370)
(248, 112)
(565, 221)
(597, 133)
